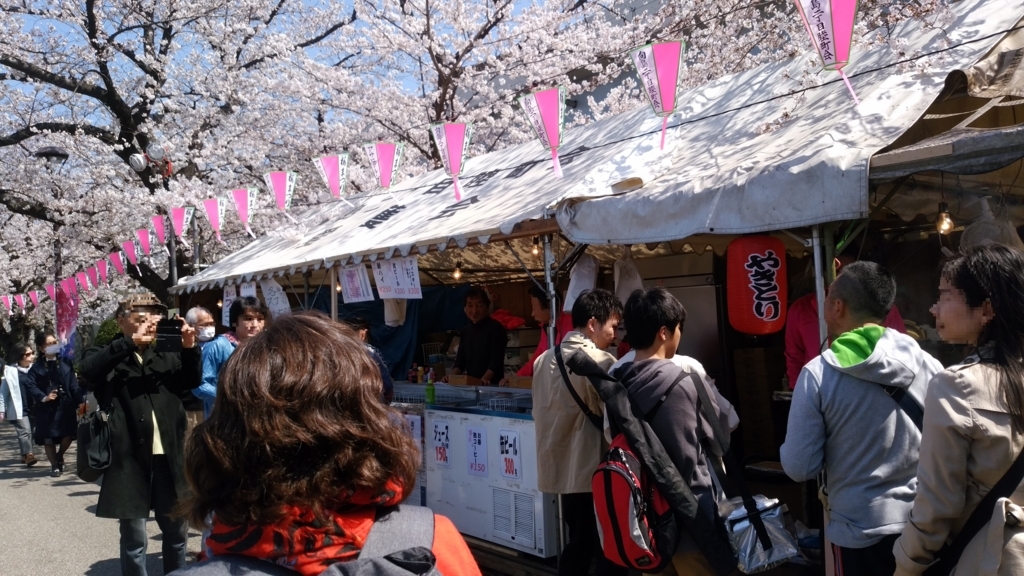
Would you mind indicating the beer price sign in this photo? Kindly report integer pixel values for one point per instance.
(509, 450)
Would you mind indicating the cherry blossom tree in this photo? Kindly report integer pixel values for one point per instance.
(232, 89)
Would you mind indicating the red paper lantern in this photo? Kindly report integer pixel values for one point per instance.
(756, 284)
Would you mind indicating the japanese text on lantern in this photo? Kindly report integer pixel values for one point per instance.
(508, 449)
(441, 444)
(763, 269)
(476, 451)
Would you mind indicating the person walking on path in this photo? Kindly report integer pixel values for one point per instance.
(142, 388)
(55, 392)
(973, 421)
(15, 402)
(247, 317)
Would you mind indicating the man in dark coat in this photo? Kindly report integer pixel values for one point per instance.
(147, 423)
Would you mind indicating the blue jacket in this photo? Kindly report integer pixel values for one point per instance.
(215, 354)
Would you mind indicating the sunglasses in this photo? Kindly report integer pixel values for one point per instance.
(27, 354)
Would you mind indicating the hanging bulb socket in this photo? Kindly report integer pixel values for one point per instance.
(457, 275)
(536, 246)
(943, 223)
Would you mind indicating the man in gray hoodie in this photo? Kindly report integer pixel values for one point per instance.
(846, 419)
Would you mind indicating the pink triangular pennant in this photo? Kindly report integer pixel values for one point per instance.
(830, 26)
(83, 280)
(143, 236)
(101, 269)
(212, 207)
(334, 171)
(452, 141)
(51, 291)
(117, 261)
(34, 295)
(93, 276)
(243, 199)
(160, 229)
(544, 111)
(178, 220)
(7, 303)
(20, 299)
(129, 251)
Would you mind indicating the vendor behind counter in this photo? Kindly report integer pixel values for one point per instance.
(482, 342)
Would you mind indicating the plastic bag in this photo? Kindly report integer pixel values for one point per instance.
(627, 277)
(752, 556)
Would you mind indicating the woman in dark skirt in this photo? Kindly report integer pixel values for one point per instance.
(52, 384)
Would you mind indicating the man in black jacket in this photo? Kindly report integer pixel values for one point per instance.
(143, 388)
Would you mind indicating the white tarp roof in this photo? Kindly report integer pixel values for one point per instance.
(500, 190)
(730, 177)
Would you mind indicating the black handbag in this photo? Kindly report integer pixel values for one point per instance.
(93, 456)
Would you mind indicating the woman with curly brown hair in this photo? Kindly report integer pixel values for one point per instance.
(300, 458)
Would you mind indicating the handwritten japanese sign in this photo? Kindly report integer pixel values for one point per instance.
(476, 451)
(355, 284)
(762, 270)
(406, 273)
(509, 450)
(230, 295)
(385, 278)
(442, 443)
(275, 298)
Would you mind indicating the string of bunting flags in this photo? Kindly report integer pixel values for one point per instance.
(657, 66)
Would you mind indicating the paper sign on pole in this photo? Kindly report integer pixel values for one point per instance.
(334, 170)
(282, 185)
(247, 289)
(181, 218)
(452, 141)
(545, 111)
(385, 158)
(214, 208)
(275, 298)
(384, 278)
(229, 297)
(355, 284)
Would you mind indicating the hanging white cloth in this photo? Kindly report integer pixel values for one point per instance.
(582, 278)
(627, 277)
(394, 311)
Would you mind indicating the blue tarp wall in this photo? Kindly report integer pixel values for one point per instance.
(440, 310)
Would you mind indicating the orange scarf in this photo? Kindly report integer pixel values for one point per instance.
(299, 541)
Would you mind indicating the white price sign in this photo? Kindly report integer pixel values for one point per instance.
(411, 275)
(384, 278)
(509, 449)
(275, 298)
(247, 289)
(355, 284)
(229, 297)
(442, 442)
(476, 451)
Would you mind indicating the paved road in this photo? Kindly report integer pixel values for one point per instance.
(48, 525)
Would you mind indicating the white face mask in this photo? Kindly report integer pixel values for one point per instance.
(52, 350)
(206, 334)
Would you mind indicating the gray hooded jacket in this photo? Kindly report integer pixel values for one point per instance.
(842, 420)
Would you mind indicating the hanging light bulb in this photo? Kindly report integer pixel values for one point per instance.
(536, 246)
(943, 223)
(220, 303)
(457, 275)
(338, 288)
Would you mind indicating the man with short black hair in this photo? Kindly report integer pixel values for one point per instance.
(482, 342)
(654, 319)
(569, 446)
(247, 317)
(853, 415)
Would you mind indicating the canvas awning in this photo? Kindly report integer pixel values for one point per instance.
(501, 191)
(760, 153)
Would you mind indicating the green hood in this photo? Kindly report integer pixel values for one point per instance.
(857, 345)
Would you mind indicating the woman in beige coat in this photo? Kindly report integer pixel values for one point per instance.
(973, 419)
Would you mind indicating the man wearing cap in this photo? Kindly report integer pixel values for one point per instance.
(143, 388)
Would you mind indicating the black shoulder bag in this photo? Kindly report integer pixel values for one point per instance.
(594, 418)
(93, 456)
(949, 555)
